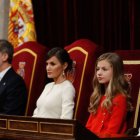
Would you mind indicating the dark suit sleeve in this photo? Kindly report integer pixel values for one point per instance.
(16, 98)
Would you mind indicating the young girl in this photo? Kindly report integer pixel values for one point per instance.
(110, 100)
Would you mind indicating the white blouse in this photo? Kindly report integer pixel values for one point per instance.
(56, 101)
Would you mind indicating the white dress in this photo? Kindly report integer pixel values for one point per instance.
(56, 101)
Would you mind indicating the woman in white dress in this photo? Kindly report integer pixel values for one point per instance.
(57, 98)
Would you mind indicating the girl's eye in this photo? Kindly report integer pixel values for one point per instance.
(104, 69)
(97, 69)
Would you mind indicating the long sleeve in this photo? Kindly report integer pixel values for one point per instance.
(13, 94)
(118, 115)
(35, 112)
(67, 103)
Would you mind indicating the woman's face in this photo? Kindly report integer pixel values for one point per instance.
(104, 72)
(54, 68)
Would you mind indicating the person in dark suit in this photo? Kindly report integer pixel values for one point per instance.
(13, 93)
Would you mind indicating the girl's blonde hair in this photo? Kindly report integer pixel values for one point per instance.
(117, 85)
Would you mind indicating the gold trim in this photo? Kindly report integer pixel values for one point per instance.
(61, 124)
(134, 62)
(20, 121)
(81, 82)
(32, 76)
(5, 122)
(137, 111)
(131, 62)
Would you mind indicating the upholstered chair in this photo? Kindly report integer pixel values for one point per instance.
(131, 60)
(83, 53)
(29, 62)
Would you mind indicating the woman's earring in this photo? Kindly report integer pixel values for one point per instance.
(63, 74)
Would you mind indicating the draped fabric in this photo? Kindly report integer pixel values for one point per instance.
(21, 22)
(112, 24)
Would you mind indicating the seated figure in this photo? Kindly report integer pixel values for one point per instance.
(13, 92)
(57, 98)
(110, 100)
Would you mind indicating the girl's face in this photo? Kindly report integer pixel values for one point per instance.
(54, 68)
(104, 72)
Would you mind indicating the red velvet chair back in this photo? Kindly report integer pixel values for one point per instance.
(131, 59)
(84, 53)
(29, 62)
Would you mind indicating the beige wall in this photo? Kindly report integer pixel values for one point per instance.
(4, 15)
